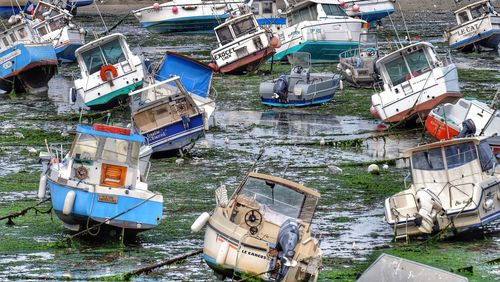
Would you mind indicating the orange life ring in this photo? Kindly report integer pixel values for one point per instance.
(107, 68)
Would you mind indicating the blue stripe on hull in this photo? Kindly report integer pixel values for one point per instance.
(187, 24)
(86, 205)
(297, 103)
(489, 39)
(321, 51)
(66, 53)
(271, 21)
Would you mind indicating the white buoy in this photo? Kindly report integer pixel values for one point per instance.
(322, 142)
(68, 202)
(385, 167)
(200, 222)
(374, 169)
(42, 186)
(179, 161)
(226, 140)
(32, 150)
(222, 254)
(335, 169)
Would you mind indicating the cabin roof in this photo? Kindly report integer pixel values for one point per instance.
(134, 137)
(226, 23)
(291, 184)
(471, 5)
(408, 153)
(389, 56)
(98, 41)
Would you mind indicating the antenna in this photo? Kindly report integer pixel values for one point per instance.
(404, 22)
(100, 15)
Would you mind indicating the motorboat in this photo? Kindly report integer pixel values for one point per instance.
(478, 25)
(319, 27)
(243, 45)
(109, 72)
(414, 81)
(263, 231)
(372, 11)
(267, 12)
(9, 7)
(358, 65)
(98, 185)
(186, 15)
(28, 63)
(301, 87)
(455, 185)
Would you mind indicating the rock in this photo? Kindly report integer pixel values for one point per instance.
(19, 135)
(32, 150)
(385, 167)
(374, 169)
(335, 169)
(322, 142)
(226, 140)
(179, 162)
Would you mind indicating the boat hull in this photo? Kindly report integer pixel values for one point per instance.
(439, 128)
(249, 63)
(187, 24)
(372, 11)
(65, 51)
(483, 31)
(114, 98)
(321, 51)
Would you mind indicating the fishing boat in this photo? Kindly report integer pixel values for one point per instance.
(54, 24)
(372, 11)
(267, 12)
(318, 27)
(27, 62)
(109, 72)
(99, 182)
(243, 45)
(186, 15)
(301, 87)
(358, 65)
(263, 231)
(10, 7)
(414, 81)
(478, 25)
(464, 118)
(455, 185)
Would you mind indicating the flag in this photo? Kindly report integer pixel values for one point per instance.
(29, 8)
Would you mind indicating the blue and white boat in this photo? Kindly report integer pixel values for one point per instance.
(10, 7)
(99, 182)
(173, 111)
(372, 11)
(27, 64)
(186, 15)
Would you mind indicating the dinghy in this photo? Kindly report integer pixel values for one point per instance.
(27, 63)
(109, 72)
(478, 26)
(319, 27)
(372, 11)
(186, 15)
(414, 81)
(263, 231)
(301, 87)
(455, 185)
(243, 45)
(99, 182)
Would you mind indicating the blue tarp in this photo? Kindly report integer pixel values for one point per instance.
(195, 76)
(90, 130)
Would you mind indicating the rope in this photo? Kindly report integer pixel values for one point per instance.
(24, 211)
(115, 25)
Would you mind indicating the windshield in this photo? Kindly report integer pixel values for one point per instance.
(110, 53)
(243, 26)
(460, 154)
(276, 197)
(428, 160)
(224, 35)
(333, 10)
(85, 147)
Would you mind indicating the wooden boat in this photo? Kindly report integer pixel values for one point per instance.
(301, 87)
(27, 63)
(109, 72)
(243, 45)
(262, 231)
(414, 81)
(455, 185)
(100, 181)
(372, 11)
(478, 26)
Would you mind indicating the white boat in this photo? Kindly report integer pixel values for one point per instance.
(11, 7)
(318, 27)
(243, 45)
(372, 11)
(263, 231)
(415, 80)
(478, 26)
(267, 12)
(455, 185)
(186, 15)
(109, 72)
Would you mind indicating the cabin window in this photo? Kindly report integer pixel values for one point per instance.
(417, 61)
(42, 31)
(463, 16)
(267, 7)
(115, 150)
(85, 147)
(93, 60)
(304, 14)
(314, 12)
(243, 27)
(12, 37)
(113, 52)
(256, 8)
(486, 156)
(274, 197)
(428, 160)
(55, 25)
(5, 41)
(134, 154)
(479, 11)
(460, 154)
(22, 33)
(397, 71)
(224, 35)
(333, 10)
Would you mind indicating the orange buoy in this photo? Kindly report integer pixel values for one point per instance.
(108, 68)
(156, 6)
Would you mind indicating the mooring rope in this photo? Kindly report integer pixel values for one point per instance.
(24, 211)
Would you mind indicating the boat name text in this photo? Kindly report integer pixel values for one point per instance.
(107, 199)
(10, 56)
(467, 29)
(254, 254)
(224, 55)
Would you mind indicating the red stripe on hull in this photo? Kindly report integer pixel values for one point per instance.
(248, 63)
(439, 129)
(32, 66)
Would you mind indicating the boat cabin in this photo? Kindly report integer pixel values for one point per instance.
(105, 155)
(20, 33)
(474, 11)
(313, 10)
(236, 28)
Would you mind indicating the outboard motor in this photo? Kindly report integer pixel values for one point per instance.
(281, 89)
(429, 207)
(468, 129)
(288, 238)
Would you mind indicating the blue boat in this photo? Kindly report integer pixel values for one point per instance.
(99, 184)
(171, 113)
(26, 64)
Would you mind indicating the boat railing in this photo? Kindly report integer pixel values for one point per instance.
(378, 86)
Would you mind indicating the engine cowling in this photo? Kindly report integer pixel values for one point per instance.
(429, 207)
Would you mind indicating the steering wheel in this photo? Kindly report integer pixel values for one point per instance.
(253, 218)
(297, 69)
(371, 51)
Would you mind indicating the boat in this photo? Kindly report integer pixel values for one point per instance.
(358, 65)
(455, 186)
(301, 87)
(464, 118)
(478, 25)
(318, 27)
(54, 24)
(267, 12)
(372, 11)
(186, 15)
(9, 7)
(263, 231)
(390, 268)
(109, 72)
(414, 81)
(99, 183)
(27, 62)
(243, 45)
